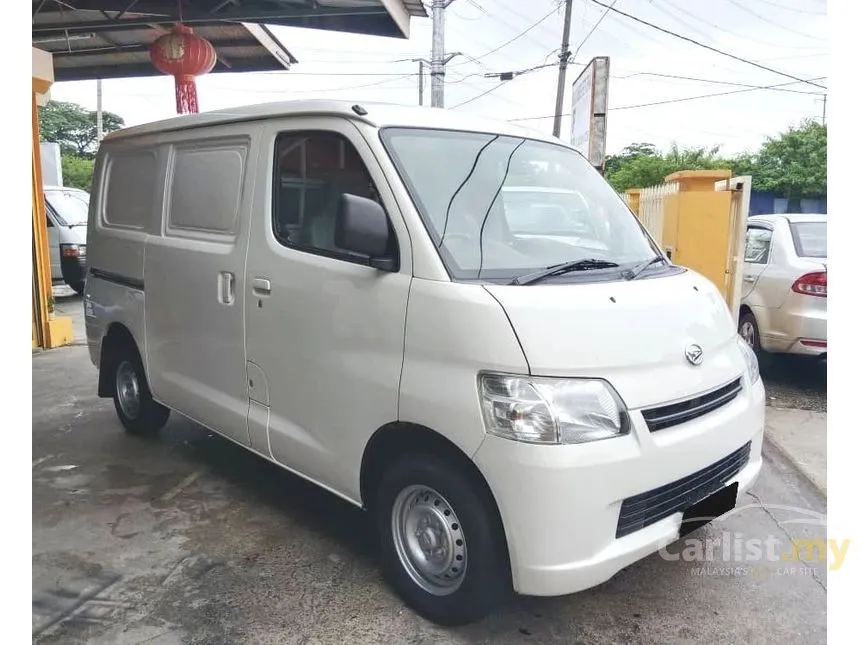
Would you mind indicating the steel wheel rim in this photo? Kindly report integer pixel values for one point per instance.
(429, 540)
(128, 390)
(748, 333)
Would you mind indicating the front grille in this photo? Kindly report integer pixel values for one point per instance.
(645, 509)
(674, 414)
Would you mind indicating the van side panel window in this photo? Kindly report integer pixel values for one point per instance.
(312, 171)
(130, 192)
(221, 168)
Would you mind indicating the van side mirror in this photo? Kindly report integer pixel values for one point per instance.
(362, 228)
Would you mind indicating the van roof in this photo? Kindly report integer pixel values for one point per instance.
(377, 114)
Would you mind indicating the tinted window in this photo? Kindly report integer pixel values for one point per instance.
(758, 245)
(312, 171)
(130, 194)
(810, 239)
(206, 190)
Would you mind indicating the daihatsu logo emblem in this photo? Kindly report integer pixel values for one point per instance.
(694, 354)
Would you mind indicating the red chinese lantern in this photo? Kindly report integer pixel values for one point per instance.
(183, 55)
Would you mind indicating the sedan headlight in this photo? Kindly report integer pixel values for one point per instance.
(550, 410)
(751, 360)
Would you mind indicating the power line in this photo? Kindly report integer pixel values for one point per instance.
(721, 28)
(595, 26)
(793, 9)
(475, 98)
(775, 24)
(517, 37)
(667, 101)
(716, 82)
(708, 47)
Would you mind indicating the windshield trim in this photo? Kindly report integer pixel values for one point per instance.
(448, 261)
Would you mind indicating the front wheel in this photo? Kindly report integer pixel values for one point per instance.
(443, 547)
(135, 407)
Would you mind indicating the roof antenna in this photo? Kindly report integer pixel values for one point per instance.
(360, 111)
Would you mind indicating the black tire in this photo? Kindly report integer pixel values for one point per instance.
(149, 417)
(764, 358)
(77, 287)
(485, 581)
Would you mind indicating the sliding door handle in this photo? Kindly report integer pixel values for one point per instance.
(262, 286)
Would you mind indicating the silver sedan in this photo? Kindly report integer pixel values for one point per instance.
(784, 295)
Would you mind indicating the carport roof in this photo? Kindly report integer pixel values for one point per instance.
(92, 39)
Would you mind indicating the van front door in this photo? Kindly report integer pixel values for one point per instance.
(324, 330)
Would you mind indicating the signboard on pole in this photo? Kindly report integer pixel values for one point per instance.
(588, 111)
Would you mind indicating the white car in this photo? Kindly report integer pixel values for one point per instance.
(335, 287)
(66, 220)
(784, 298)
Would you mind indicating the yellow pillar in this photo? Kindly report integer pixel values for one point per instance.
(697, 223)
(633, 195)
(48, 331)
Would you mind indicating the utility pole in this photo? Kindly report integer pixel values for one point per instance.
(824, 110)
(438, 59)
(563, 60)
(420, 82)
(99, 122)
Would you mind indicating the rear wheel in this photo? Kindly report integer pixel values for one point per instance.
(77, 287)
(135, 407)
(442, 544)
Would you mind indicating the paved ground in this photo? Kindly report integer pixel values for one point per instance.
(801, 435)
(190, 539)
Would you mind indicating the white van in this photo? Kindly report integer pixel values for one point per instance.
(335, 287)
(66, 220)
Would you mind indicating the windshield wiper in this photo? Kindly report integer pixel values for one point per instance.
(635, 272)
(560, 269)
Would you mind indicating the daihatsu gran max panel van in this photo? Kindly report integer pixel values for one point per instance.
(452, 323)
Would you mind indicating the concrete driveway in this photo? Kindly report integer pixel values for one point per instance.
(190, 539)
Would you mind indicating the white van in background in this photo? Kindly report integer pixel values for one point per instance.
(66, 214)
(338, 288)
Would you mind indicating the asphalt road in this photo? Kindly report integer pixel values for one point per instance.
(796, 382)
(190, 539)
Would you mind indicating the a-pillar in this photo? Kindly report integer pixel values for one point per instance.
(48, 330)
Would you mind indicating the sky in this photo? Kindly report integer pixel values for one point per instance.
(788, 36)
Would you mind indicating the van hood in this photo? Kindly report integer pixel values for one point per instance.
(632, 333)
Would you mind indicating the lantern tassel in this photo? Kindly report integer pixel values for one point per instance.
(186, 94)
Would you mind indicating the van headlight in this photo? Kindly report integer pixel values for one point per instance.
(751, 360)
(551, 410)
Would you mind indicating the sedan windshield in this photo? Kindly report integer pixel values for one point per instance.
(499, 207)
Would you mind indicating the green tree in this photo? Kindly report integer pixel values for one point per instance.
(794, 164)
(74, 127)
(77, 171)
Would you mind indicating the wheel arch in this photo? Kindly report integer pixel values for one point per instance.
(116, 340)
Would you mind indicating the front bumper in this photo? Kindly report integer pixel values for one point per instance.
(560, 504)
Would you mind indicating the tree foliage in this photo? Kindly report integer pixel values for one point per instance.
(77, 171)
(74, 127)
(791, 165)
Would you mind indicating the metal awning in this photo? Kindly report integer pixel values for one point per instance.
(92, 39)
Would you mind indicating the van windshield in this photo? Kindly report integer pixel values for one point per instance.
(72, 206)
(499, 207)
